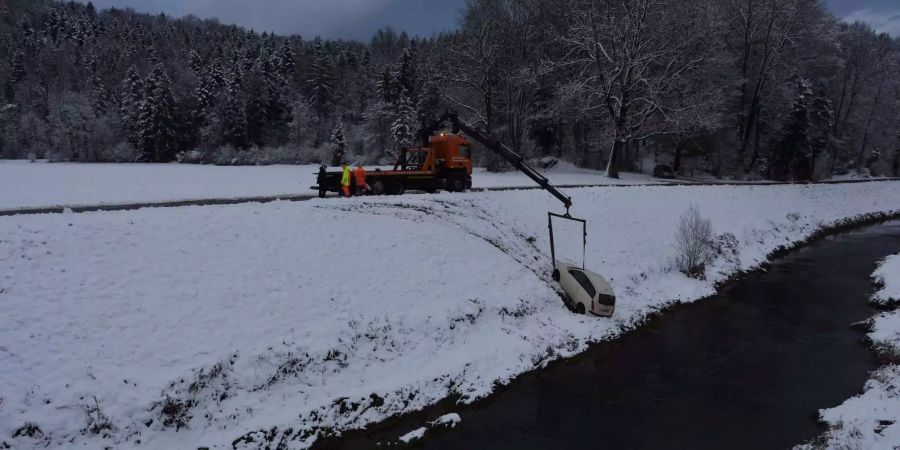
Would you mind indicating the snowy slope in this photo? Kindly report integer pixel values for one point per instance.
(563, 174)
(34, 185)
(888, 277)
(197, 326)
(872, 419)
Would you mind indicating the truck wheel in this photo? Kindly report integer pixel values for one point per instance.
(456, 184)
(395, 188)
(579, 308)
(378, 187)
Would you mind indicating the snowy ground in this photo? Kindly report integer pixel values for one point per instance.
(872, 419)
(40, 184)
(244, 324)
(888, 277)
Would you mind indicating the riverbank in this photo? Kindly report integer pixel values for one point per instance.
(248, 324)
(872, 419)
(744, 369)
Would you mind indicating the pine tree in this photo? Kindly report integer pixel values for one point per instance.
(388, 89)
(234, 118)
(99, 91)
(403, 129)
(204, 99)
(217, 75)
(407, 73)
(285, 58)
(17, 73)
(339, 141)
(429, 104)
(157, 128)
(258, 90)
(821, 123)
(196, 62)
(322, 81)
(792, 153)
(130, 104)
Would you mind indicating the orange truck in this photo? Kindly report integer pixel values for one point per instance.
(443, 162)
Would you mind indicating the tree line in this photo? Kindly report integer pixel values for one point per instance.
(776, 89)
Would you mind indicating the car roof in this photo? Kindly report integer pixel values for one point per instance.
(596, 279)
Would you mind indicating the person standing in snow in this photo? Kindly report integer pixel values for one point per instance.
(321, 180)
(345, 180)
(360, 176)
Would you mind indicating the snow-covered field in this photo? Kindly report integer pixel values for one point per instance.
(244, 324)
(871, 420)
(41, 184)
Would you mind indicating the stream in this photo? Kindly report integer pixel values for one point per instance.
(746, 369)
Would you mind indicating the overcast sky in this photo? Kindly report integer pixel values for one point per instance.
(359, 19)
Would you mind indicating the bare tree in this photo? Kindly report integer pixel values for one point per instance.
(630, 57)
(476, 53)
(883, 65)
(759, 33)
(694, 241)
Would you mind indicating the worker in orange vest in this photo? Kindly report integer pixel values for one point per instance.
(345, 180)
(360, 174)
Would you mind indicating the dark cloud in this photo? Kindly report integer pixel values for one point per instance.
(881, 21)
(359, 19)
(882, 15)
(348, 19)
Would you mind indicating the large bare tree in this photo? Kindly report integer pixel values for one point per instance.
(758, 34)
(631, 58)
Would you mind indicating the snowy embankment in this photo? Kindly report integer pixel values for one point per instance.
(246, 324)
(41, 184)
(872, 419)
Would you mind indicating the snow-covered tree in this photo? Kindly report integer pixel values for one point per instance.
(285, 59)
(821, 131)
(196, 62)
(321, 83)
(130, 104)
(573, 78)
(233, 113)
(156, 127)
(632, 58)
(792, 153)
(404, 130)
(339, 143)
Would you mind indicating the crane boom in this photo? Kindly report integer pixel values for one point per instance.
(497, 147)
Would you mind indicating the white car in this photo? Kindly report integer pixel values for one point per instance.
(586, 291)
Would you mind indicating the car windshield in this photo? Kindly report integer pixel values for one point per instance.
(584, 282)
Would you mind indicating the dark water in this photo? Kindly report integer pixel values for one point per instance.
(746, 369)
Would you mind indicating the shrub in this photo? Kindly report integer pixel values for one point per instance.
(121, 152)
(694, 241)
(225, 156)
(191, 157)
(97, 421)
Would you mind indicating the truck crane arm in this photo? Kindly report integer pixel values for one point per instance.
(497, 147)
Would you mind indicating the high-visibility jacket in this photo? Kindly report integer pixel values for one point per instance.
(360, 174)
(345, 178)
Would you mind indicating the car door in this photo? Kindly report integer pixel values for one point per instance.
(584, 291)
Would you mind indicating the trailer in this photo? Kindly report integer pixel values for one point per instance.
(444, 164)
